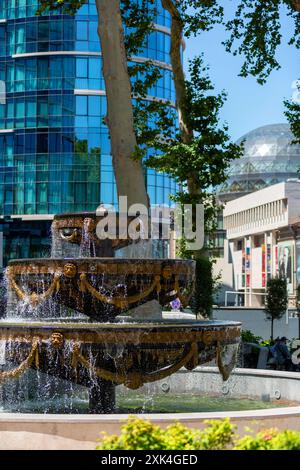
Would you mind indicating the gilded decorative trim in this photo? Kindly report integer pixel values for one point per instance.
(113, 266)
(119, 302)
(33, 357)
(187, 355)
(166, 278)
(34, 299)
(135, 379)
(126, 335)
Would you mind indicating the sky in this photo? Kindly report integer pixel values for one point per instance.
(249, 105)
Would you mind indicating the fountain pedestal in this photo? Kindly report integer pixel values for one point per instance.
(102, 397)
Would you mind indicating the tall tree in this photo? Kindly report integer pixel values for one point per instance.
(120, 119)
(205, 157)
(205, 13)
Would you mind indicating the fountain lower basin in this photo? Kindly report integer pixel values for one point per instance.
(131, 354)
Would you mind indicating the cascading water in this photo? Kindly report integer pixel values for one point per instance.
(90, 318)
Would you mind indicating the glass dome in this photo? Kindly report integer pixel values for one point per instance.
(269, 158)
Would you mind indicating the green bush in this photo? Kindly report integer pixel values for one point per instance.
(139, 434)
(262, 441)
(218, 435)
(136, 434)
(270, 439)
(248, 337)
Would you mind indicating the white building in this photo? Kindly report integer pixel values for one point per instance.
(263, 241)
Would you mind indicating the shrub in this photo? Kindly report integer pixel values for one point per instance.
(248, 337)
(262, 441)
(270, 439)
(136, 434)
(218, 435)
(139, 434)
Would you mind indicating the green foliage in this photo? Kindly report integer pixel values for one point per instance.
(292, 112)
(276, 299)
(262, 441)
(287, 440)
(139, 434)
(202, 299)
(256, 29)
(198, 15)
(270, 439)
(136, 434)
(206, 158)
(218, 435)
(266, 343)
(69, 7)
(138, 18)
(248, 337)
(208, 155)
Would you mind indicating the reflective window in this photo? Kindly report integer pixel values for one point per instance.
(58, 157)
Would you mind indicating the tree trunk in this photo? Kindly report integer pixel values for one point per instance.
(272, 328)
(187, 134)
(177, 66)
(129, 173)
(296, 5)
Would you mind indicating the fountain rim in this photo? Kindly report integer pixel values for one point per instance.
(107, 259)
(124, 333)
(72, 214)
(85, 214)
(129, 325)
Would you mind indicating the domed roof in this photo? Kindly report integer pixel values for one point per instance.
(273, 141)
(269, 158)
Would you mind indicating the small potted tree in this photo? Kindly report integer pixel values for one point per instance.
(276, 301)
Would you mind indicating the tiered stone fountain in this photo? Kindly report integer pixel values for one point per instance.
(83, 316)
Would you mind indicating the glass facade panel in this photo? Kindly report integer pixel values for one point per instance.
(55, 156)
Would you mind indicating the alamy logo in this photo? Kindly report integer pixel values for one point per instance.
(185, 221)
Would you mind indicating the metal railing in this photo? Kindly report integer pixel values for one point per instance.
(238, 294)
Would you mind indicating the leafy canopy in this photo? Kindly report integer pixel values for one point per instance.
(256, 33)
(208, 155)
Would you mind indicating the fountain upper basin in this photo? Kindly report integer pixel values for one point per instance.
(100, 288)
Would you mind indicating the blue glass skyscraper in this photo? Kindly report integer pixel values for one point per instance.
(54, 148)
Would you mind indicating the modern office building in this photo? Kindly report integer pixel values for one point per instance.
(54, 148)
(263, 241)
(269, 158)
